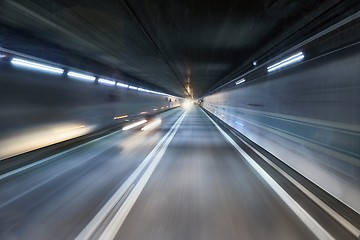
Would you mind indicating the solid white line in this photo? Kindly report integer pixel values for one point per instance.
(305, 217)
(346, 224)
(31, 165)
(115, 224)
(53, 176)
(96, 222)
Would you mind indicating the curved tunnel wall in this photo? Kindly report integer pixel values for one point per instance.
(38, 109)
(307, 115)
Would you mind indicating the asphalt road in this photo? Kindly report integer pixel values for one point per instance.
(58, 198)
(202, 188)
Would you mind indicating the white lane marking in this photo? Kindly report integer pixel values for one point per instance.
(54, 176)
(96, 222)
(119, 218)
(346, 224)
(31, 165)
(305, 217)
(18, 170)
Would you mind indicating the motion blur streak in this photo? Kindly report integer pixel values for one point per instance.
(120, 117)
(280, 78)
(305, 217)
(293, 59)
(38, 137)
(154, 158)
(305, 127)
(152, 124)
(201, 187)
(133, 125)
(83, 179)
(68, 129)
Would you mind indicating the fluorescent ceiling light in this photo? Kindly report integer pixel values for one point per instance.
(133, 125)
(143, 90)
(133, 88)
(37, 66)
(154, 92)
(240, 81)
(290, 60)
(121, 85)
(81, 76)
(105, 81)
(159, 93)
(285, 60)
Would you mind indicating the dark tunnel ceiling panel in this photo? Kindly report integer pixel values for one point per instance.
(163, 42)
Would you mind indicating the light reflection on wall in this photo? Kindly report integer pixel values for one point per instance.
(40, 137)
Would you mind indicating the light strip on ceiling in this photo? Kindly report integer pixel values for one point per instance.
(81, 76)
(123, 85)
(106, 81)
(37, 66)
(133, 88)
(240, 81)
(290, 60)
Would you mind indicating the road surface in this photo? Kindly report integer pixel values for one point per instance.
(190, 183)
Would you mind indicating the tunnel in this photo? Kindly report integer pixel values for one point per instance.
(179, 119)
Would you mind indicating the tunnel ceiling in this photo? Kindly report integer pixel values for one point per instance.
(165, 43)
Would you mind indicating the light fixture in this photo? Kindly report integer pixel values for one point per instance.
(105, 81)
(290, 60)
(37, 66)
(240, 81)
(123, 85)
(133, 87)
(81, 76)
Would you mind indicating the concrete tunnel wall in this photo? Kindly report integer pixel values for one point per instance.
(39, 109)
(307, 115)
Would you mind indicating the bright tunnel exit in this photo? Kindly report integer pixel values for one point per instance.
(187, 104)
